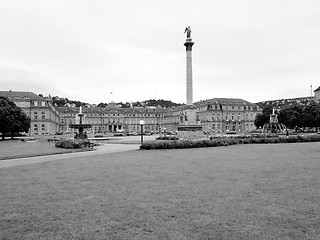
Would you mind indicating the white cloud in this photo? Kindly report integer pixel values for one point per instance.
(84, 49)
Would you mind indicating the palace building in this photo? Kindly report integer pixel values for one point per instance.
(44, 116)
(217, 115)
(111, 119)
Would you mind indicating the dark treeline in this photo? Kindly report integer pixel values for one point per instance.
(62, 102)
(301, 116)
(12, 118)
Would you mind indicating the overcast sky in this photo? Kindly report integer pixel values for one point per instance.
(86, 49)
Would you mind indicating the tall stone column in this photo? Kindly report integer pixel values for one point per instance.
(189, 45)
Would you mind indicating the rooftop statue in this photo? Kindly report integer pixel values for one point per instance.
(188, 30)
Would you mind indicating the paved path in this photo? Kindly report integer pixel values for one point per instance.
(105, 149)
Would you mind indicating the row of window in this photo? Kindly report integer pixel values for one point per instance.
(133, 128)
(224, 107)
(35, 127)
(116, 115)
(35, 115)
(233, 117)
(231, 126)
(42, 104)
(108, 121)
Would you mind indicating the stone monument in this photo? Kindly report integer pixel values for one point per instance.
(189, 119)
(188, 44)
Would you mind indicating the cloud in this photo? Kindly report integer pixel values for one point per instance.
(248, 49)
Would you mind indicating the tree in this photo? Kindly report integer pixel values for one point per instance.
(291, 116)
(311, 115)
(12, 118)
(264, 117)
(102, 105)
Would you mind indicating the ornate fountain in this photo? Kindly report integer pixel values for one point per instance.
(80, 126)
(274, 126)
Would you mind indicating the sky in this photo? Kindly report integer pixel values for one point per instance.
(104, 50)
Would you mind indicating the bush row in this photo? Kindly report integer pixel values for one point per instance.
(227, 141)
(73, 143)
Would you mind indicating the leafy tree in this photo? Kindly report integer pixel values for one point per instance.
(12, 118)
(161, 103)
(60, 102)
(311, 115)
(264, 117)
(102, 105)
(292, 116)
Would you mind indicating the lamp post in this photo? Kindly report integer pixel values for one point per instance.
(141, 124)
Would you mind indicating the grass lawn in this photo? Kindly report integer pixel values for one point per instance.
(17, 149)
(236, 192)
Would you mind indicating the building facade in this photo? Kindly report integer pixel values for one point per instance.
(220, 115)
(317, 94)
(112, 119)
(217, 115)
(44, 116)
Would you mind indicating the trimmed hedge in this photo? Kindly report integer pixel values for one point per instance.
(226, 141)
(73, 143)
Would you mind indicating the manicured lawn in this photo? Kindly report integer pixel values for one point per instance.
(17, 149)
(235, 192)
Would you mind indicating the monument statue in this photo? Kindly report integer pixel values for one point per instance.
(188, 31)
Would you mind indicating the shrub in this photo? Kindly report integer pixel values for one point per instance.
(72, 143)
(226, 141)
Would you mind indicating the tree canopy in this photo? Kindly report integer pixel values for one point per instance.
(12, 118)
(264, 117)
(301, 116)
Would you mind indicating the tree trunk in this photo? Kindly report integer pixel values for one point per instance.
(3, 136)
(11, 135)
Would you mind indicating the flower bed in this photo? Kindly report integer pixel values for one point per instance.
(73, 143)
(226, 141)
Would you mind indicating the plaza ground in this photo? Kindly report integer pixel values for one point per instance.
(236, 192)
(11, 149)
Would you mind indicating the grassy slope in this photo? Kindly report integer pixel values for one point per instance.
(237, 192)
(15, 149)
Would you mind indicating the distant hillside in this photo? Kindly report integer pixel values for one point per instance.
(161, 103)
(282, 103)
(65, 102)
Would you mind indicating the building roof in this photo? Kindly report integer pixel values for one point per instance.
(226, 101)
(19, 94)
(318, 89)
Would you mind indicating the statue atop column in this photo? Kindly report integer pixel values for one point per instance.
(188, 31)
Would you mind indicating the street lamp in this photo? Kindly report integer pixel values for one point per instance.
(141, 124)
